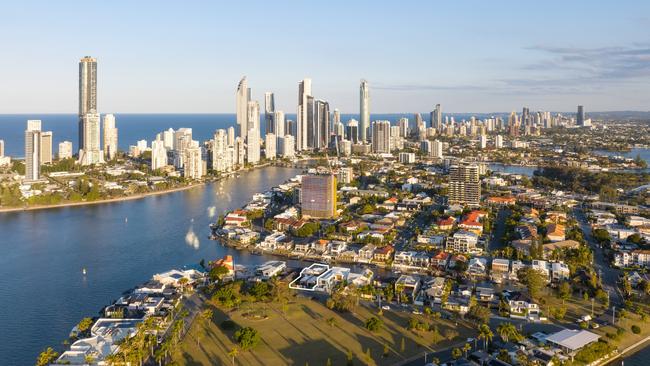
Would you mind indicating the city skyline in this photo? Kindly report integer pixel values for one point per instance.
(570, 60)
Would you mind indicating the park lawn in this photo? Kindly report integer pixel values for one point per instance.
(302, 334)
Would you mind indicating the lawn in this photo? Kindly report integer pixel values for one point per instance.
(307, 332)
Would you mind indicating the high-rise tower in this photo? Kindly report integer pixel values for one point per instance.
(364, 110)
(243, 96)
(87, 92)
(269, 112)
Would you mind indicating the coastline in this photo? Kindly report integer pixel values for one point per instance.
(107, 200)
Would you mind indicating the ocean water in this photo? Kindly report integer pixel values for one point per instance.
(131, 127)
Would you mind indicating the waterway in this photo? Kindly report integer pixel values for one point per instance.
(42, 288)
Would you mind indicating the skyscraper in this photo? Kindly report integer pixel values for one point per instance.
(46, 147)
(87, 93)
(352, 131)
(498, 142)
(91, 153)
(305, 113)
(269, 112)
(580, 116)
(318, 195)
(464, 185)
(404, 127)
(158, 154)
(436, 118)
(381, 137)
(482, 141)
(243, 96)
(33, 150)
(321, 124)
(364, 110)
(110, 137)
(270, 142)
(278, 119)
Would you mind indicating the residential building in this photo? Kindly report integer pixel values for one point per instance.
(87, 96)
(110, 137)
(33, 150)
(158, 154)
(318, 196)
(46, 147)
(242, 97)
(464, 185)
(381, 137)
(305, 114)
(65, 150)
(269, 113)
(91, 152)
(269, 146)
(462, 242)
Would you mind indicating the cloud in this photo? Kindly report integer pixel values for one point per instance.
(629, 63)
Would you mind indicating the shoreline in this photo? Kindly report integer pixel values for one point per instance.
(106, 200)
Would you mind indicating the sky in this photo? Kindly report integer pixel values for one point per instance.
(188, 56)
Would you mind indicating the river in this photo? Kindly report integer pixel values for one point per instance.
(122, 244)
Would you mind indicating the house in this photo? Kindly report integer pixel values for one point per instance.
(384, 253)
(515, 266)
(555, 232)
(521, 307)
(571, 340)
(501, 201)
(440, 260)
(445, 224)
(472, 222)
(559, 272)
(500, 269)
(549, 248)
(457, 304)
(227, 262)
(542, 267)
(434, 289)
(270, 269)
(527, 232)
(236, 218)
(366, 254)
(408, 285)
(485, 292)
(477, 266)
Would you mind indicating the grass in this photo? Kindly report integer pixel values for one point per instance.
(304, 333)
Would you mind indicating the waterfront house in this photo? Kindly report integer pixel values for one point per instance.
(270, 269)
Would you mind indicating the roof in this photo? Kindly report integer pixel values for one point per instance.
(572, 339)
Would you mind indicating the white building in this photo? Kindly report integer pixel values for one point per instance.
(91, 152)
(46, 147)
(380, 137)
(406, 158)
(33, 150)
(110, 137)
(286, 147)
(498, 142)
(483, 142)
(158, 154)
(194, 166)
(269, 146)
(65, 150)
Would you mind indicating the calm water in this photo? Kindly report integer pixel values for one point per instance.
(42, 289)
(644, 153)
(512, 169)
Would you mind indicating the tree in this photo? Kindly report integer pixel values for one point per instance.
(485, 333)
(374, 324)
(84, 325)
(247, 338)
(508, 331)
(47, 357)
(564, 290)
(480, 313)
(217, 273)
(466, 348)
(234, 352)
(533, 280)
(456, 353)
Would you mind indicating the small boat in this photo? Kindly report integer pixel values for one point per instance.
(83, 270)
(126, 219)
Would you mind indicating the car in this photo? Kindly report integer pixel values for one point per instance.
(385, 307)
(595, 326)
(417, 312)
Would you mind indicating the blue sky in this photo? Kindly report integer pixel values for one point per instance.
(187, 56)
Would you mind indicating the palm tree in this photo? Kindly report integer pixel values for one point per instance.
(467, 348)
(508, 331)
(485, 334)
(234, 352)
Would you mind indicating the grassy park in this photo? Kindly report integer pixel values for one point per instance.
(304, 331)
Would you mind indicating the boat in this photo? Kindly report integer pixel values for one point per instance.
(83, 270)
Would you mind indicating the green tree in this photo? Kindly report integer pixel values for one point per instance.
(47, 357)
(564, 290)
(456, 353)
(533, 280)
(485, 333)
(247, 338)
(374, 324)
(508, 331)
(234, 352)
(85, 324)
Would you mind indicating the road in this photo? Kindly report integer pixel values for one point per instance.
(609, 275)
(499, 223)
